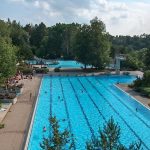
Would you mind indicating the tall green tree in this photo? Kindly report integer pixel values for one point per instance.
(7, 60)
(100, 45)
(37, 34)
(92, 45)
(147, 59)
(108, 139)
(133, 61)
(59, 140)
(4, 29)
(83, 46)
(69, 34)
(20, 38)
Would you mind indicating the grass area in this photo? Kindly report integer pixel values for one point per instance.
(2, 126)
(145, 91)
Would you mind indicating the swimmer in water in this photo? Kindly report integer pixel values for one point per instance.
(44, 129)
(45, 92)
(136, 109)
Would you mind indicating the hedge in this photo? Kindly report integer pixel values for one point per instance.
(41, 70)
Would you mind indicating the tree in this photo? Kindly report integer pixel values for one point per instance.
(92, 45)
(108, 139)
(7, 60)
(60, 41)
(20, 38)
(25, 52)
(37, 34)
(133, 61)
(28, 28)
(147, 59)
(59, 140)
(54, 41)
(100, 44)
(82, 45)
(4, 29)
(69, 34)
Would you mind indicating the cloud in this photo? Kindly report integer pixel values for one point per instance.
(41, 4)
(120, 16)
(17, 0)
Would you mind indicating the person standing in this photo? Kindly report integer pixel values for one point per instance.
(30, 96)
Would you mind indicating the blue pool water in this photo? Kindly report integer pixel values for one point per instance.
(87, 103)
(62, 64)
(67, 64)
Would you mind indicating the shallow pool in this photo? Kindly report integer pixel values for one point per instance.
(87, 103)
(61, 64)
(67, 64)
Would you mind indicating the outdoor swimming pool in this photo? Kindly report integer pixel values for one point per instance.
(87, 103)
(61, 64)
(67, 64)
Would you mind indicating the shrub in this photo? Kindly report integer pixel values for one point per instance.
(144, 82)
(2, 126)
(43, 67)
(131, 85)
(15, 89)
(7, 95)
(146, 78)
(145, 91)
(126, 73)
(20, 85)
(0, 104)
(57, 69)
(137, 83)
(11, 96)
(41, 70)
(27, 71)
(2, 95)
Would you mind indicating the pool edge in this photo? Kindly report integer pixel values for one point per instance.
(132, 97)
(27, 138)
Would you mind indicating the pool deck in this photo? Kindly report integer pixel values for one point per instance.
(18, 118)
(4, 113)
(144, 100)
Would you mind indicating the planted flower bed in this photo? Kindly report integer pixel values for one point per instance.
(10, 95)
(8, 98)
(16, 89)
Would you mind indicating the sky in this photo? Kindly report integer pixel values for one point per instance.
(121, 17)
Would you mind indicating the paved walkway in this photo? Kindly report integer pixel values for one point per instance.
(16, 121)
(144, 100)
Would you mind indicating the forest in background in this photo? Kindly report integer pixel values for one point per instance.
(65, 41)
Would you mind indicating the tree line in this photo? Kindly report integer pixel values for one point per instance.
(60, 40)
(89, 43)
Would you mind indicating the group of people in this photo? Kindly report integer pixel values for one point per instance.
(13, 80)
(28, 77)
(19, 76)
